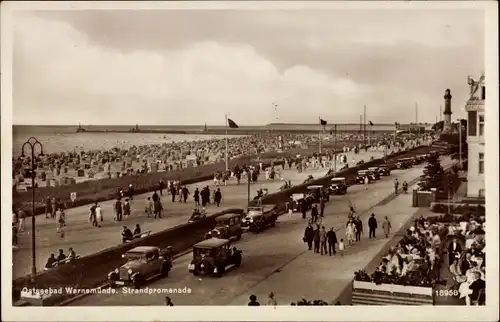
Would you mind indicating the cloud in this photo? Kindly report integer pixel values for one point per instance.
(76, 81)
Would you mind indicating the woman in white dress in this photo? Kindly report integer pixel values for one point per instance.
(350, 232)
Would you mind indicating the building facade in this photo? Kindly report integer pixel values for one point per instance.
(475, 138)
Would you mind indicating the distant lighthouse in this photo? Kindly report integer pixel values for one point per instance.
(447, 111)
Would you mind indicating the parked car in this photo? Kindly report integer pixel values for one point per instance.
(262, 219)
(338, 186)
(404, 163)
(362, 175)
(375, 172)
(317, 192)
(385, 170)
(143, 263)
(213, 257)
(227, 226)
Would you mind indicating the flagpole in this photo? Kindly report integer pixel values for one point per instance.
(227, 149)
(319, 135)
(335, 150)
(364, 126)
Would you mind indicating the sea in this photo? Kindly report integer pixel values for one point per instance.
(56, 139)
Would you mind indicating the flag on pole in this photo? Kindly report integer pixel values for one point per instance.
(232, 124)
(323, 122)
(371, 123)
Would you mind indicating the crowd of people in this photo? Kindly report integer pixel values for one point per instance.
(325, 242)
(61, 258)
(414, 261)
(466, 257)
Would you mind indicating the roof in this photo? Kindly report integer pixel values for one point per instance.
(143, 249)
(212, 243)
(228, 216)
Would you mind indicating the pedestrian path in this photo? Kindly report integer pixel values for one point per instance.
(326, 277)
(85, 239)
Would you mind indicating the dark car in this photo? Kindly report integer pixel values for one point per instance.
(227, 226)
(261, 219)
(143, 263)
(317, 192)
(338, 186)
(384, 170)
(404, 163)
(213, 257)
(362, 175)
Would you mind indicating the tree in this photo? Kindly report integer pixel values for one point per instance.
(433, 174)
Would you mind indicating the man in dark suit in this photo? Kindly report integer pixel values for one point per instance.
(372, 225)
(332, 240)
(454, 251)
(478, 287)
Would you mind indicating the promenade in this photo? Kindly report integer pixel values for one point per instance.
(278, 261)
(85, 239)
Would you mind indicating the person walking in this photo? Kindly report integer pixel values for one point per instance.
(98, 215)
(118, 210)
(309, 236)
(196, 197)
(359, 228)
(21, 215)
(322, 241)
(92, 216)
(185, 194)
(126, 208)
(341, 247)
(59, 220)
(396, 185)
(372, 226)
(386, 226)
(316, 239)
(314, 213)
(158, 207)
(289, 206)
(271, 301)
(149, 208)
(350, 231)
(332, 240)
(173, 192)
(218, 197)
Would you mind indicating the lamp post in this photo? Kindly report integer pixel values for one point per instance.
(32, 142)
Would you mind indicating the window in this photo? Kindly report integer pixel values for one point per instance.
(483, 92)
(481, 163)
(481, 125)
(472, 123)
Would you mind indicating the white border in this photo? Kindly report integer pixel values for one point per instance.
(229, 313)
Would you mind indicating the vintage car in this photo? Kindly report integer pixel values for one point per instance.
(227, 226)
(317, 192)
(404, 163)
(213, 257)
(259, 219)
(384, 170)
(375, 171)
(143, 263)
(362, 175)
(297, 200)
(338, 186)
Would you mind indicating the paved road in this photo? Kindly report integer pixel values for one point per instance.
(277, 260)
(85, 239)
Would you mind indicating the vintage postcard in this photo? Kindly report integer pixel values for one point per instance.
(190, 161)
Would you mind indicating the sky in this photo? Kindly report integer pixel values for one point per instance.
(163, 67)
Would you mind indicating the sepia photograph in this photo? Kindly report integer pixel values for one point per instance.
(211, 156)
